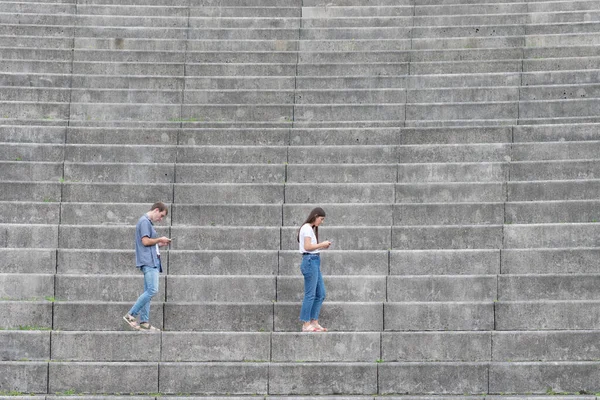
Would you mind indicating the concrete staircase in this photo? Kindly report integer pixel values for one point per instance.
(453, 143)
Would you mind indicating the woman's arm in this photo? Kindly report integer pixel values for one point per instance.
(308, 246)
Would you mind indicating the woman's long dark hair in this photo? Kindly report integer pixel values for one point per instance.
(316, 212)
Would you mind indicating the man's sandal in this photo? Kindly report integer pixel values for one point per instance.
(144, 326)
(131, 321)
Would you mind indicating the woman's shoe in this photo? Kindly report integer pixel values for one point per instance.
(319, 328)
(309, 328)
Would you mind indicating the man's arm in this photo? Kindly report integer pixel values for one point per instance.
(162, 241)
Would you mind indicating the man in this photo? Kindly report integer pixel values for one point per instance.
(147, 259)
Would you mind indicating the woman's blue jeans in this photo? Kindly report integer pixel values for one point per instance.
(314, 288)
(142, 305)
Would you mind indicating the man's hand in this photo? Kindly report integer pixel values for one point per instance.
(164, 241)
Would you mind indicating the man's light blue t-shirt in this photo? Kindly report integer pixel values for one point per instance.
(145, 255)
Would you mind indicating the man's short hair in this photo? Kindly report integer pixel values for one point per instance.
(161, 207)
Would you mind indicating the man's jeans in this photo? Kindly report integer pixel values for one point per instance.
(314, 288)
(142, 305)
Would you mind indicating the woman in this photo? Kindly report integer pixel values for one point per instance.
(314, 288)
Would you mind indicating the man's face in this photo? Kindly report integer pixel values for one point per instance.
(158, 215)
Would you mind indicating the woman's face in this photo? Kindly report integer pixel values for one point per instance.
(319, 221)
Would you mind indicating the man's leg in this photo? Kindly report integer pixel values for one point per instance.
(142, 305)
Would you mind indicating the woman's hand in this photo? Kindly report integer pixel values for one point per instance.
(325, 244)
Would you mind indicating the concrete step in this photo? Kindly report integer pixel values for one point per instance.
(294, 347)
(554, 108)
(224, 289)
(561, 92)
(230, 173)
(29, 261)
(544, 346)
(25, 345)
(437, 67)
(317, 21)
(236, 12)
(339, 288)
(342, 11)
(454, 135)
(455, 153)
(339, 193)
(13, 40)
(349, 82)
(546, 315)
(119, 153)
(463, 95)
(507, 110)
(48, 192)
(123, 96)
(100, 237)
(30, 376)
(30, 235)
(454, 172)
(547, 287)
(351, 113)
(344, 237)
(31, 287)
(342, 173)
(227, 215)
(34, 110)
(118, 172)
(444, 21)
(436, 316)
(355, 45)
(550, 261)
(560, 77)
(116, 192)
(365, 33)
(551, 235)
(99, 262)
(230, 193)
(145, 44)
(342, 214)
(342, 154)
(350, 57)
(580, 150)
(473, 42)
(346, 316)
(554, 170)
(447, 237)
(26, 315)
(232, 154)
(472, 122)
(229, 137)
(436, 346)
(159, 137)
(553, 6)
(562, 63)
(371, 68)
(471, 9)
(103, 288)
(35, 135)
(444, 262)
(551, 212)
(29, 213)
(339, 262)
(28, 152)
(128, 68)
(442, 288)
(449, 214)
(553, 190)
(452, 192)
(42, 95)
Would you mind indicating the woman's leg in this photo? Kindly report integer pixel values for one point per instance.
(319, 294)
(310, 285)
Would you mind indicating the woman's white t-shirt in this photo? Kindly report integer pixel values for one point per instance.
(307, 231)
